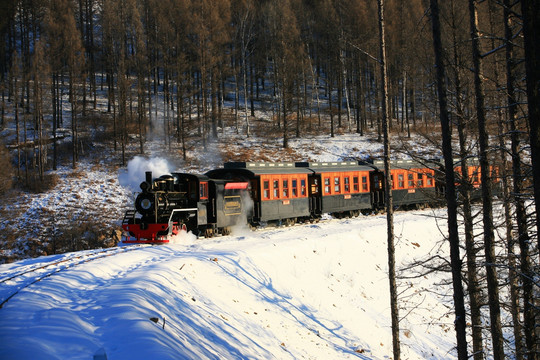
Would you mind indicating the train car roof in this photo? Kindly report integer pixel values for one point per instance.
(335, 166)
(401, 164)
(471, 161)
(189, 175)
(252, 169)
(232, 170)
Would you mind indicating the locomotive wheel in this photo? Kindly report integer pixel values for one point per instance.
(209, 233)
(290, 221)
(253, 226)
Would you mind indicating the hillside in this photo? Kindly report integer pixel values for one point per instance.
(84, 207)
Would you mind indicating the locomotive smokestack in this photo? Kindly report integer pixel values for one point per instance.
(149, 177)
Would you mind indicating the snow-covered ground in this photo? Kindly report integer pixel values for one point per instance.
(311, 291)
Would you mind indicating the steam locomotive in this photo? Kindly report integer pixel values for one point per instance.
(257, 193)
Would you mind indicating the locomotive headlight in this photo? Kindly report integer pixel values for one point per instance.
(146, 204)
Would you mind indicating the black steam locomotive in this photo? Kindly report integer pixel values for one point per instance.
(256, 193)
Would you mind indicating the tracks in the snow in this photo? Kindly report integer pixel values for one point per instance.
(33, 274)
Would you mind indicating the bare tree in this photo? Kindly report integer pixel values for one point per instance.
(388, 192)
(464, 181)
(453, 235)
(531, 29)
(40, 71)
(287, 54)
(485, 173)
(15, 74)
(245, 34)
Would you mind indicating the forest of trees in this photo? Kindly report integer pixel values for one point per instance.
(464, 72)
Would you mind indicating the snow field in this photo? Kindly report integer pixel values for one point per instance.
(314, 291)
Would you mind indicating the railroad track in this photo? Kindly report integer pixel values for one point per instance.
(54, 267)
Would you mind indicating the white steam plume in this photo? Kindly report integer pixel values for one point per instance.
(183, 237)
(242, 227)
(136, 168)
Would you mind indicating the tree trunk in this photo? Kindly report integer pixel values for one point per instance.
(453, 235)
(489, 235)
(511, 256)
(388, 190)
(285, 124)
(329, 89)
(244, 79)
(531, 29)
(56, 109)
(474, 289)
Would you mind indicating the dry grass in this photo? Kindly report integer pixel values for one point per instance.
(37, 185)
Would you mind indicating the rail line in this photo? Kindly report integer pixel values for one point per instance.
(67, 264)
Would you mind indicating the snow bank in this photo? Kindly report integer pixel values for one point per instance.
(315, 291)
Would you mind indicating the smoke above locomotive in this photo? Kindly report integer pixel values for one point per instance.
(136, 168)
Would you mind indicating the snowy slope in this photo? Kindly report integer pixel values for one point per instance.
(314, 291)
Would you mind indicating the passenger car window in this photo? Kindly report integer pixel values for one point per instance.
(401, 182)
(327, 185)
(266, 189)
(364, 183)
(420, 180)
(337, 187)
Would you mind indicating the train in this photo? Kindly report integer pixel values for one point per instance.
(284, 193)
